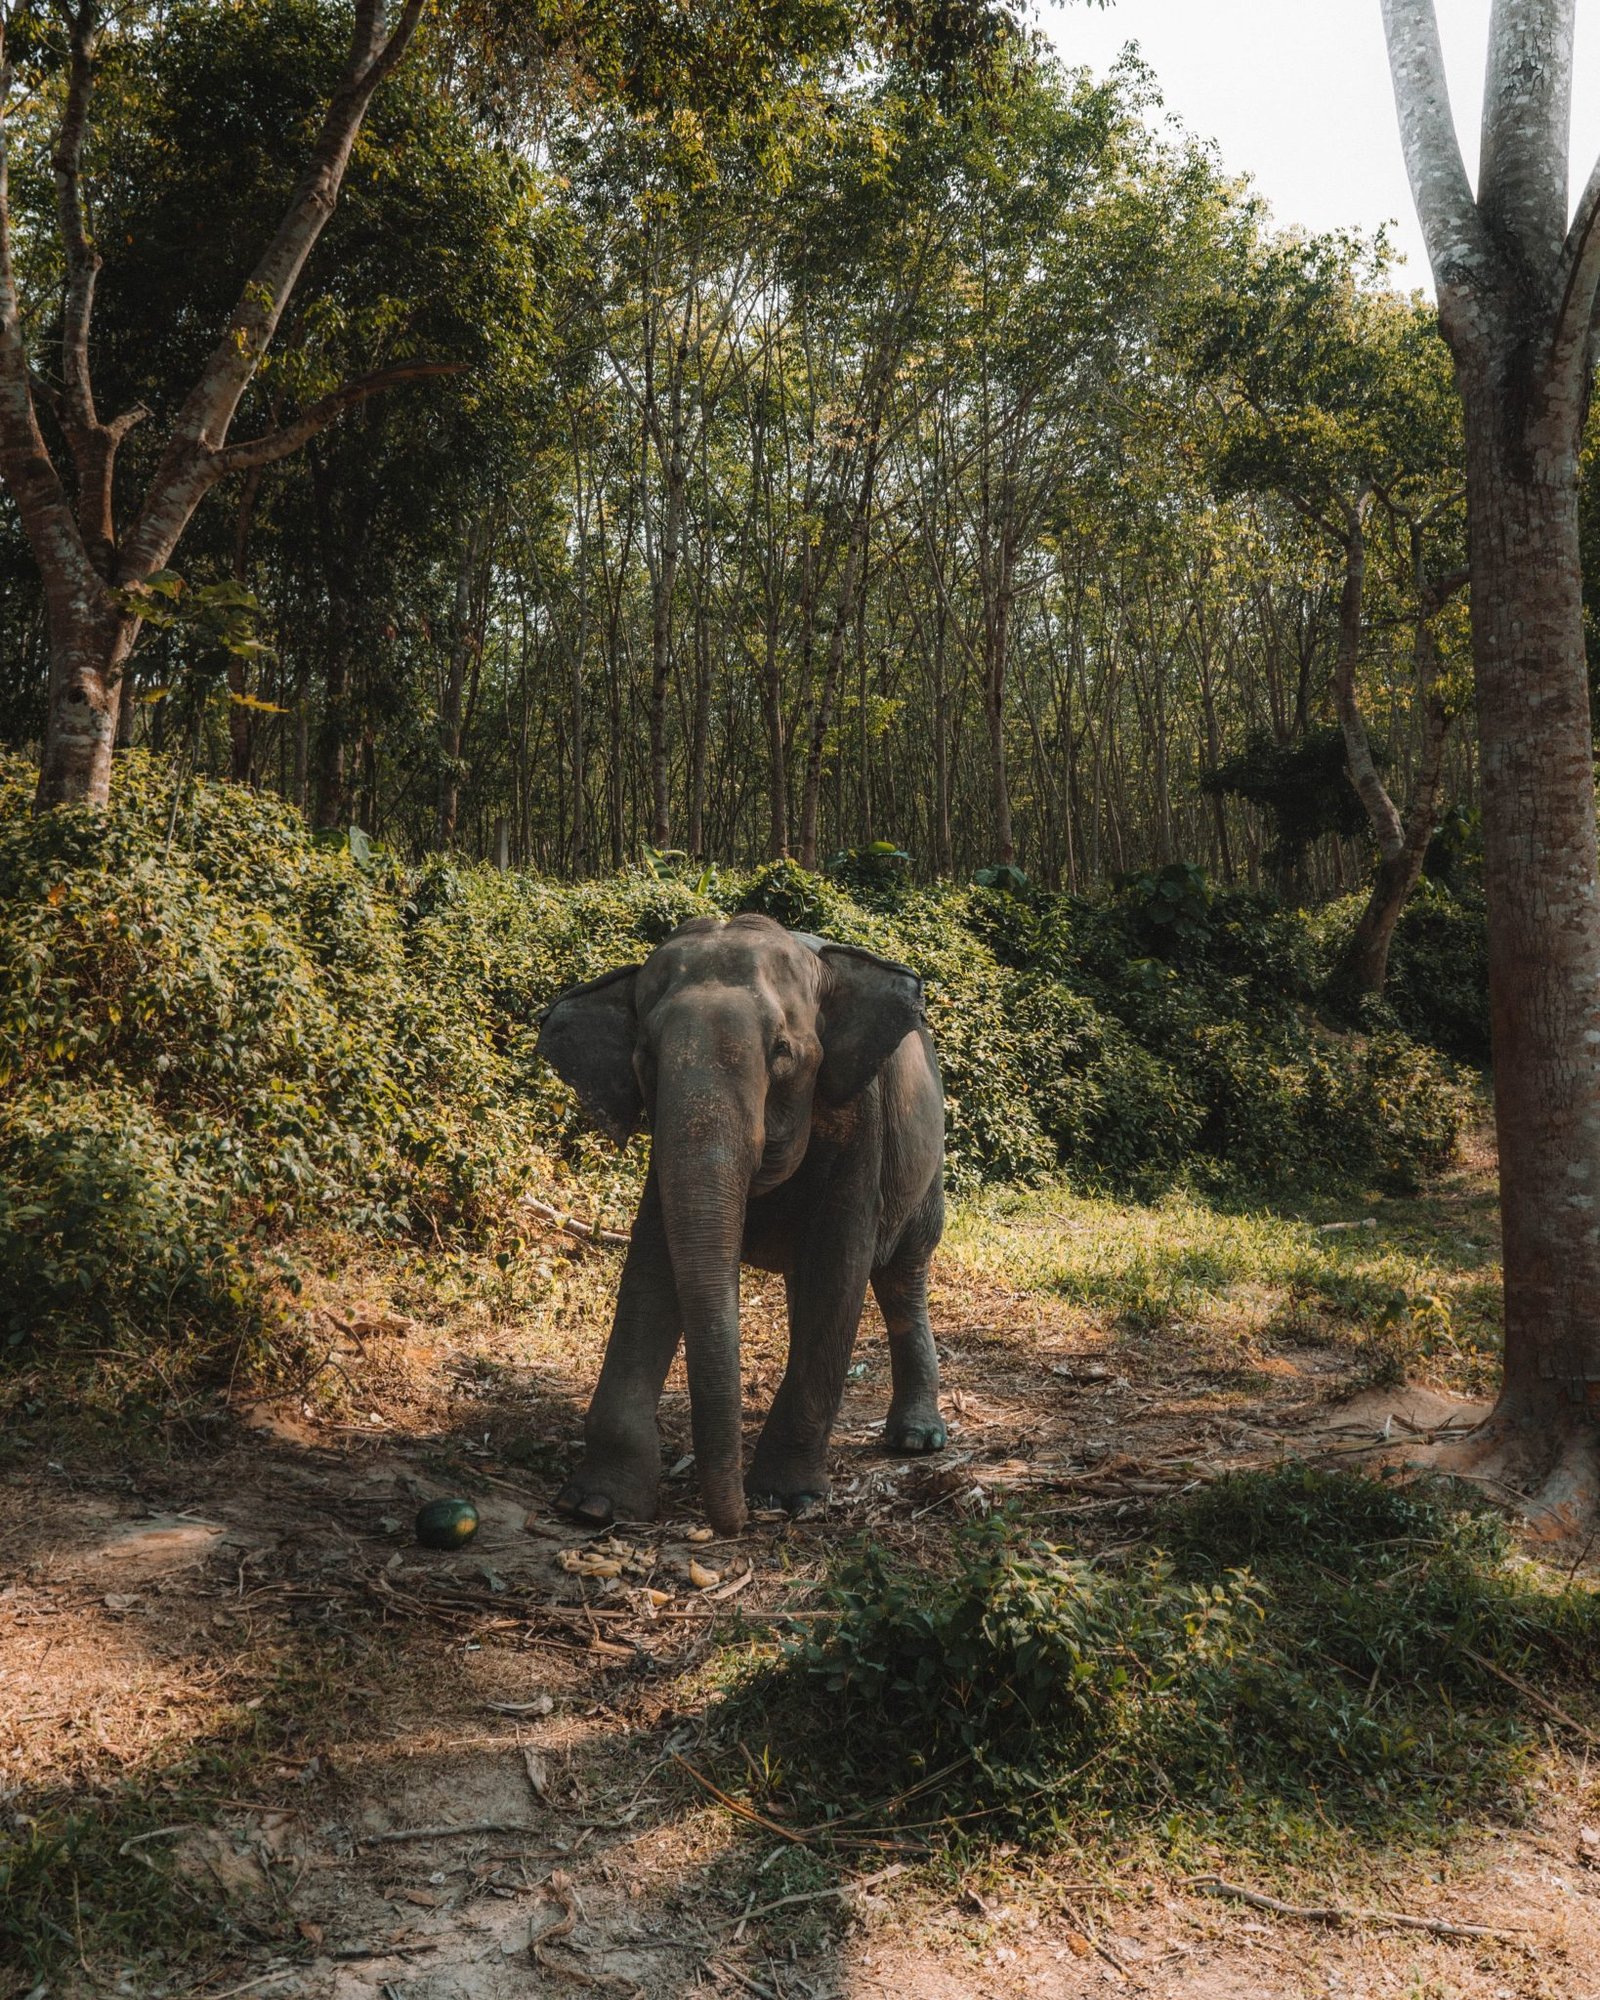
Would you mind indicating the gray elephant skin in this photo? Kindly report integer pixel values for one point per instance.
(797, 1124)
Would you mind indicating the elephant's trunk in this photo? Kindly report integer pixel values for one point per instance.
(705, 1153)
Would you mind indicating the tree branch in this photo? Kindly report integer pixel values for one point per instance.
(1572, 345)
(1527, 115)
(82, 258)
(252, 453)
(30, 475)
(201, 430)
(1459, 248)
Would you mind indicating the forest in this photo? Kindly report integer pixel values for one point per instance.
(485, 484)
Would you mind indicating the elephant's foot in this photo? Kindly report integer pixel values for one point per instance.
(915, 1430)
(797, 1485)
(602, 1491)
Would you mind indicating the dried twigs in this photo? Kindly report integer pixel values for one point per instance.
(1333, 1913)
(572, 1225)
(734, 1805)
(816, 1895)
(468, 1826)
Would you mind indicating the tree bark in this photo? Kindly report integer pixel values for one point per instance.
(462, 639)
(1517, 291)
(1542, 884)
(84, 562)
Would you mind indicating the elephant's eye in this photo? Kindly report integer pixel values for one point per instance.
(782, 1051)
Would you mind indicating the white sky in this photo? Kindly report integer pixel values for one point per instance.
(1296, 94)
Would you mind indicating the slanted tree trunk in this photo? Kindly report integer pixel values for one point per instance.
(1363, 966)
(91, 565)
(1517, 289)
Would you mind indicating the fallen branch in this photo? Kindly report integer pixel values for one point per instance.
(734, 1806)
(815, 1895)
(1551, 1708)
(721, 1965)
(445, 1832)
(1333, 1913)
(572, 1225)
(559, 1888)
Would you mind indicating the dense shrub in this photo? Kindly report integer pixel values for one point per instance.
(1267, 1671)
(238, 1032)
(1439, 974)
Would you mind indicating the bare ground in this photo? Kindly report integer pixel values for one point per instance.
(472, 1775)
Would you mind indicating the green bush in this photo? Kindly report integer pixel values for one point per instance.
(1303, 1652)
(1439, 974)
(247, 1032)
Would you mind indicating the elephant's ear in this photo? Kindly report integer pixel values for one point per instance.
(587, 1036)
(869, 1006)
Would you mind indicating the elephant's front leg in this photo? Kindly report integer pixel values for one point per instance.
(620, 1475)
(827, 1290)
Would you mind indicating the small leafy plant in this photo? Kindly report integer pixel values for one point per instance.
(1292, 1653)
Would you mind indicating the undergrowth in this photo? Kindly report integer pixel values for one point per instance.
(1293, 1657)
(220, 1036)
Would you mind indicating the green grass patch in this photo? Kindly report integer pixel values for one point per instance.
(1295, 1658)
(1408, 1288)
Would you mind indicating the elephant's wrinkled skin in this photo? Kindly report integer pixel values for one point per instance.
(797, 1124)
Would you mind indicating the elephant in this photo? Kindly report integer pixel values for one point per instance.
(796, 1117)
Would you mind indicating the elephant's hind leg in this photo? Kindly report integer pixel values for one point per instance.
(620, 1474)
(901, 1289)
(826, 1294)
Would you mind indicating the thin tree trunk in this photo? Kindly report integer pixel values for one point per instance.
(462, 638)
(823, 712)
(241, 731)
(1363, 966)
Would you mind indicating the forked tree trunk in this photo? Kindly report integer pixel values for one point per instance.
(89, 647)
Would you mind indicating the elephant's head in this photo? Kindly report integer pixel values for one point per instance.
(731, 1040)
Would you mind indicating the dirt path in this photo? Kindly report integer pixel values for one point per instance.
(236, 1653)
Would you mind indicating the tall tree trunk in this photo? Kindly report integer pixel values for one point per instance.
(822, 713)
(462, 638)
(997, 641)
(699, 739)
(944, 846)
(664, 583)
(1542, 883)
(777, 754)
(241, 731)
(1517, 299)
